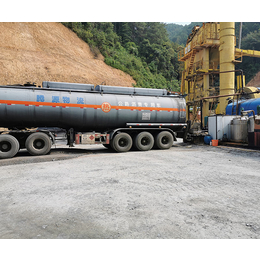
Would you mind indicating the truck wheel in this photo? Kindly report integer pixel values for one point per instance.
(144, 141)
(164, 140)
(9, 146)
(122, 142)
(38, 144)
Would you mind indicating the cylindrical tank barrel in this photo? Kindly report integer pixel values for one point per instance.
(244, 105)
(226, 60)
(84, 110)
(239, 129)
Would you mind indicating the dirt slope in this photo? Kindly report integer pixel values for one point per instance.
(36, 52)
(255, 81)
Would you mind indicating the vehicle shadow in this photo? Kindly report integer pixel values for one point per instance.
(56, 154)
(62, 152)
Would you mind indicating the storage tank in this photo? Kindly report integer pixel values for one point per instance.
(239, 129)
(81, 107)
(226, 62)
(244, 105)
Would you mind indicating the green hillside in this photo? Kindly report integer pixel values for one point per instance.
(148, 51)
(142, 50)
(250, 41)
(179, 33)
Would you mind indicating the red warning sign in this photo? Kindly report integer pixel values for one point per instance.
(106, 107)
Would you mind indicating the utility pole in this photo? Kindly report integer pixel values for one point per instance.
(240, 36)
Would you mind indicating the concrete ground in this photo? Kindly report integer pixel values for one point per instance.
(188, 191)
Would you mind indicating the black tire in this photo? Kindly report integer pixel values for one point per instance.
(9, 146)
(122, 142)
(144, 141)
(164, 140)
(38, 144)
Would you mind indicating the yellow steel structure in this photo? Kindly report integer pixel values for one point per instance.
(209, 68)
(226, 62)
(200, 57)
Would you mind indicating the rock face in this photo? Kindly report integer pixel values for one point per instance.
(36, 52)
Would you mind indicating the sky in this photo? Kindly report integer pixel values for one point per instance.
(182, 23)
(115, 11)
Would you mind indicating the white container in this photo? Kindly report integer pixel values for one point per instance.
(223, 125)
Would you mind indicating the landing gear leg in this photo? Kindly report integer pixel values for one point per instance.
(187, 138)
(71, 137)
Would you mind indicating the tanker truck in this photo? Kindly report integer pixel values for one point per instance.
(117, 117)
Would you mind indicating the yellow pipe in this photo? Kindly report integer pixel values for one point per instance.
(205, 91)
(226, 58)
(250, 53)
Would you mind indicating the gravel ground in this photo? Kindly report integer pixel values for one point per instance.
(188, 191)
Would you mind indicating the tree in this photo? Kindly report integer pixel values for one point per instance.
(141, 49)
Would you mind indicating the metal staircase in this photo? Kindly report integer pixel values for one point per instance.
(191, 61)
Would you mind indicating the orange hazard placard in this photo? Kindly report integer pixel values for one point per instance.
(106, 107)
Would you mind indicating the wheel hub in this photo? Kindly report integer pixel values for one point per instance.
(165, 140)
(145, 141)
(38, 144)
(123, 142)
(5, 146)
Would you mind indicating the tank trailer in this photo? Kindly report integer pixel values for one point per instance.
(117, 117)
